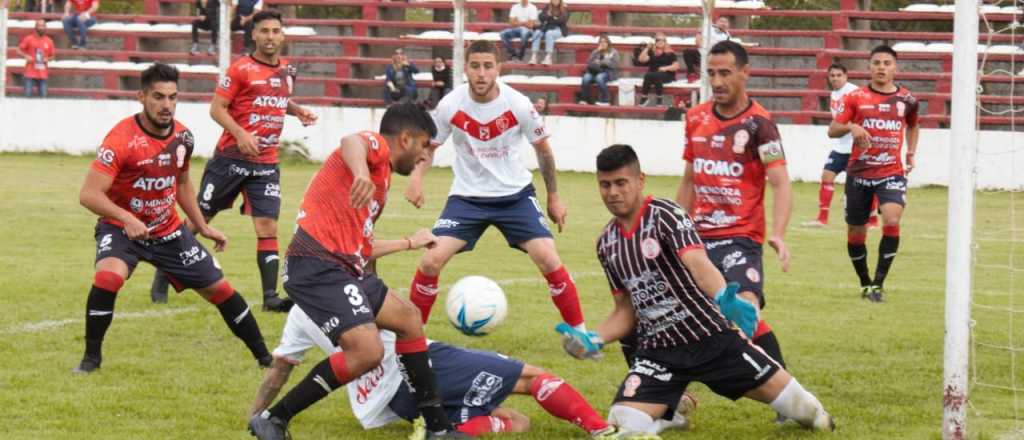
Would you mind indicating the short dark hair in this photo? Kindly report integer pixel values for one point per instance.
(483, 46)
(729, 46)
(159, 72)
(616, 157)
(407, 116)
(882, 48)
(837, 66)
(266, 14)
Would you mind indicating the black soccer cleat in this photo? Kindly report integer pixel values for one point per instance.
(274, 303)
(88, 365)
(865, 292)
(269, 428)
(158, 297)
(876, 294)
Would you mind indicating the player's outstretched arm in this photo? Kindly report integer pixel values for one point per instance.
(93, 196)
(353, 152)
(186, 196)
(685, 195)
(219, 112)
(546, 163)
(275, 378)
(782, 191)
(421, 239)
(414, 193)
(305, 115)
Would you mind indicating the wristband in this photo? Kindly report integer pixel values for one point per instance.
(408, 242)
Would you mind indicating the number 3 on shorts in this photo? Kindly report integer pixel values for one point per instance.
(208, 192)
(354, 297)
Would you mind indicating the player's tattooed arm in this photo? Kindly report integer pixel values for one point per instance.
(93, 196)
(273, 381)
(186, 196)
(620, 321)
(353, 152)
(546, 163)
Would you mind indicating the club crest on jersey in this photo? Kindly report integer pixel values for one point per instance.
(502, 123)
(901, 109)
(739, 141)
(485, 133)
(650, 248)
(717, 141)
(136, 204)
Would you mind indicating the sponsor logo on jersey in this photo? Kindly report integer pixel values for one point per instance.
(645, 286)
(275, 82)
(444, 223)
(272, 190)
(225, 82)
(770, 152)
(163, 159)
(717, 141)
(105, 155)
(884, 108)
(280, 102)
(192, 256)
(136, 204)
(257, 82)
(154, 183)
(719, 168)
(651, 369)
(368, 382)
(368, 227)
(547, 388)
(330, 325)
(882, 124)
(485, 131)
(739, 141)
(732, 260)
(630, 386)
(753, 275)
(719, 218)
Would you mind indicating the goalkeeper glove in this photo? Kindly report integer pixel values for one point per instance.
(736, 309)
(580, 345)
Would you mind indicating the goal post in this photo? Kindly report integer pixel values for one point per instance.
(960, 222)
(3, 74)
(707, 13)
(223, 39)
(459, 41)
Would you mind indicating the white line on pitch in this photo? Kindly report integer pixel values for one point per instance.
(39, 326)
(513, 281)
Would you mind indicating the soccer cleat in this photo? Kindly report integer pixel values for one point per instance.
(780, 419)
(610, 433)
(274, 303)
(865, 291)
(158, 297)
(266, 427)
(823, 422)
(814, 224)
(876, 294)
(88, 365)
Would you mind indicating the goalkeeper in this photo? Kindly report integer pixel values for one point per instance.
(668, 292)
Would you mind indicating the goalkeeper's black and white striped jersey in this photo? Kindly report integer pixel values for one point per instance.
(644, 262)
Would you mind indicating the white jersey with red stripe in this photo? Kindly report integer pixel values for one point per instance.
(488, 140)
(369, 394)
(845, 143)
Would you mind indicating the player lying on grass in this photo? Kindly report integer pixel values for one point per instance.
(140, 172)
(668, 291)
(473, 385)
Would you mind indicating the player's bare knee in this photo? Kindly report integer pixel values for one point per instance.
(432, 263)
(265, 226)
(363, 349)
(519, 422)
(856, 229)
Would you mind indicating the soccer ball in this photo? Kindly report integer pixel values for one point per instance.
(476, 305)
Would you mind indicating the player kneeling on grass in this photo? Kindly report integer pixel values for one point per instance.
(326, 272)
(140, 171)
(667, 289)
(473, 384)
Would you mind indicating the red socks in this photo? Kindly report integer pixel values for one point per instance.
(563, 294)
(481, 425)
(561, 400)
(339, 368)
(825, 194)
(423, 293)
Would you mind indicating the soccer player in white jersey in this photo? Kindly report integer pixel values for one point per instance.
(472, 397)
(840, 153)
(487, 121)
(672, 296)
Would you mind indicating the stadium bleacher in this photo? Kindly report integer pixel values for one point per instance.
(340, 59)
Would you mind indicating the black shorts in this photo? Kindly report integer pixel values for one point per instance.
(728, 364)
(739, 260)
(465, 392)
(837, 161)
(225, 178)
(334, 298)
(860, 191)
(182, 258)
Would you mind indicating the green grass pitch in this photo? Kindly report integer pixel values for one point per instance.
(175, 372)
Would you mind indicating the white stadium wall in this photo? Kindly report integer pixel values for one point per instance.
(78, 127)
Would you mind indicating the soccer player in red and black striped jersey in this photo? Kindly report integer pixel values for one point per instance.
(668, 292)
(251, 103)
(326, 272)
(140, 172)
(733, 151)
(878, 115)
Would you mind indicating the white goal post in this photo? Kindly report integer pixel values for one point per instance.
(959, 238)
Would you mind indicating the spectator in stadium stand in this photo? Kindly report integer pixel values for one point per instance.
(691, 56)
(442, 81)
(243, 10)
(78, 18)
(523, 17)
(38, 50)
(602, 67)
(553, 25)
(541, 105)
(399, 81)
(209, 20)
(662, 65)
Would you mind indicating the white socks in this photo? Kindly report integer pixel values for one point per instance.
(796, 403)
(632, 420)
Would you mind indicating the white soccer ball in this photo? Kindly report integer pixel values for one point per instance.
(476, 305)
